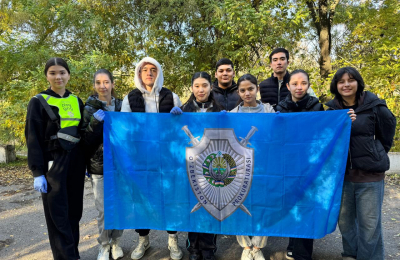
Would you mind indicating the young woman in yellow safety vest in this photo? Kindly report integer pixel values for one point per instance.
(52, 134)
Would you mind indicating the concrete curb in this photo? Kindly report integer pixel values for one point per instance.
(394, 163)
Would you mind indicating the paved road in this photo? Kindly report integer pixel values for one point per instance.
(23, 233)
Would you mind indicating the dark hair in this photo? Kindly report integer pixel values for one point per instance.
(278, 50)
(103, 71)
(55, 61)
(202, 74)
(110, 76)
(224, 61)
(353, 74)
(189, 103)
(248, 77)
(299, 71)
(245, 77)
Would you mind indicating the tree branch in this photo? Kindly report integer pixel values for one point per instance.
(314, 16)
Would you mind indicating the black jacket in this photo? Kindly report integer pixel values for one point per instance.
(270, 92)
(371, 133)
(93, 134)
(227, 98)
(38, 130)
(193, 106)
(306, 104)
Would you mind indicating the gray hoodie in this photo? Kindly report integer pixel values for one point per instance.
(260, 108)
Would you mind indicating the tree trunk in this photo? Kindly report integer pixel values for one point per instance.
(322, 17)
(324, 42)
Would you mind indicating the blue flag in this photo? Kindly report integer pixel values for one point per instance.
(225, 173)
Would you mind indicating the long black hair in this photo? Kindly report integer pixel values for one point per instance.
(56, 61)
(353, 74)
(189, 103)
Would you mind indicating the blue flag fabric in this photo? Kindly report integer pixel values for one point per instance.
(241, 174)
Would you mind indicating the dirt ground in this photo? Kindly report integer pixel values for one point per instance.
(23, 233)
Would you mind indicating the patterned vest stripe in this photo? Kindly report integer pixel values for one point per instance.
(68, 109)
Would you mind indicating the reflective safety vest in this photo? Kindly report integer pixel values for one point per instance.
(68, 109)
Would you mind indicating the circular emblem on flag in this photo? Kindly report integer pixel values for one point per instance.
(219, 169)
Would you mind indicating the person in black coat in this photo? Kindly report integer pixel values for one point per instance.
(299, 101)
(57, 165)
(273, 90)
(93, 115)
(224, 88)
(200, 245)
(363, 188)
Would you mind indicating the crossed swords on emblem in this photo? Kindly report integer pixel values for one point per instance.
(244, 142)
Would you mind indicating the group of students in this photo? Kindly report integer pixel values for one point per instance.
(65, 138)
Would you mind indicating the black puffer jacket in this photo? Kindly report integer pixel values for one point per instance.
(306, 104)
(193, 106)
(227, 98)
(371, 133)
(94, 134)
(270, 91)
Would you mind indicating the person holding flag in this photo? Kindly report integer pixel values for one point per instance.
(200, 245)
(247, 90)
(363, 188)
(151, 97)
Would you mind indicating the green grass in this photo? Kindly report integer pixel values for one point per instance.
(20, 161)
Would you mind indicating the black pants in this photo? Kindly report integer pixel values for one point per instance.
(302, 248)
(63, 203)
(201, 243)
(145, 232)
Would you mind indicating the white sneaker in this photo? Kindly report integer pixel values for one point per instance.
(104, 253)
(246, 255)
(116, 250)
(174, 249)
(257, 254)
(141, 247)
(289, 255)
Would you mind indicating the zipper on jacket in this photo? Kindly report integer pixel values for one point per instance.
(351, 164)
(279, 92)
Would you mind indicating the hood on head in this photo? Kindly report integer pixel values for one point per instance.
(159, 79)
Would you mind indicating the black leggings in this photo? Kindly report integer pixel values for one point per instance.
(145, 232)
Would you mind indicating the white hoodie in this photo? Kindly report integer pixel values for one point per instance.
(151, 99)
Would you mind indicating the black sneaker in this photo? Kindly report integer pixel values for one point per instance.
(211, 257)
(194, 256)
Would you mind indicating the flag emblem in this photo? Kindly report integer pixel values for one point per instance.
(220, 170)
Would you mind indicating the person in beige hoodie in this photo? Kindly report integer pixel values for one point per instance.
(150, 96)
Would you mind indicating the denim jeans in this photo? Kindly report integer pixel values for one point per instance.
(105, 236)
(360, 220)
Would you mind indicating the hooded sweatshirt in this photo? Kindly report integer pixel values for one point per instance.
(151, 98)
(260, 108)
(370, 140)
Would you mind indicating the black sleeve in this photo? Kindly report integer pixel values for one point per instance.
(385, 127)
(35, 128)
(92, 132)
